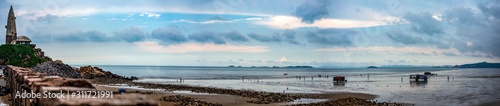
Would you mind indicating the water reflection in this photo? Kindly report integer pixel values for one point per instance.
(339, 83)
(418, 83)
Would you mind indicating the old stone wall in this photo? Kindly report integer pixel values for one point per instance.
(25, 81)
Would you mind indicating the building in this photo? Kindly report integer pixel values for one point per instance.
(11, 32)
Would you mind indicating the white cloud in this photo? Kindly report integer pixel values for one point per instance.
(291, 22)
(116, 19)
(153, 15)
(195, 47)
(217, 21)
(390, 49)
(33, 14)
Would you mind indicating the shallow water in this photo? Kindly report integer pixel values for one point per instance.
(462, 88)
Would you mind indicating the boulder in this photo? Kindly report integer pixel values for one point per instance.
(90, 72)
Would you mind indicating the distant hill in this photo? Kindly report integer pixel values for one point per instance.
(479, 65)
(20, 55)
(403, 66)
(299, 67)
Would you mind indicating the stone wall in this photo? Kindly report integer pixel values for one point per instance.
(23, 80)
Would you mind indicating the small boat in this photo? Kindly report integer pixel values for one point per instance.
(429, 73)
(285, 74)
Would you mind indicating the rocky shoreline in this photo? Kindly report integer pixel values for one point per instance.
(351, 101)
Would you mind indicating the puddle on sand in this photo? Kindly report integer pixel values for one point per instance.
(191, 93)
(307, 100)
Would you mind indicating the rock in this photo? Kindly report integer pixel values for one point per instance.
(351, 101)
(56, 68)
(90, 72)
(59, 61)
(187, 101)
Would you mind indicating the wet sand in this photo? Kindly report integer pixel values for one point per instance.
(231, 100)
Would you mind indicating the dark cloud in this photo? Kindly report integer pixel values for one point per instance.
(132, 34)
(290, 36)
(263, 38)
(337, 37)
(235, 36)
(476, 31)
(424, 23)
(491, 8)
(418, 53)
(449, 54)
(207, 37)
(404, 38)
(312, 10)
(460, 15)
(77, 36)
(287, 36)
(168, 35)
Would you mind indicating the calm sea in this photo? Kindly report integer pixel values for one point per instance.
(450, 86)
(193, 72)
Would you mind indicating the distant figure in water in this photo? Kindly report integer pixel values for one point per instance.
(448, 78)
(122, 90)
(312, 78)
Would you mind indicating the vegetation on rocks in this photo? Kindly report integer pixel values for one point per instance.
(20, 55)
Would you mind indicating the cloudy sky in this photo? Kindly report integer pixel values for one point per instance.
(261, 32)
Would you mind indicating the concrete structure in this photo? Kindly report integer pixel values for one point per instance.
(25, 81)
(11, 31)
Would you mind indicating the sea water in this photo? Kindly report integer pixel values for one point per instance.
(451, 86)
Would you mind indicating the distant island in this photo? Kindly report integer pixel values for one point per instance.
(472, 65)
(299, 67)
(479, 65)
(232, 66)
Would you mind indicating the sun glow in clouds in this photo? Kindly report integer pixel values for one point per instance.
(291, 22)
(196, 47)
(283, 59)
